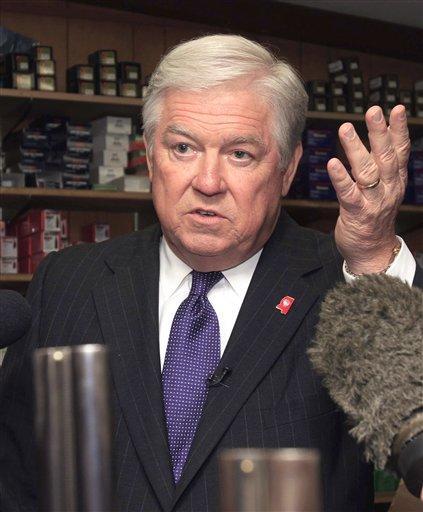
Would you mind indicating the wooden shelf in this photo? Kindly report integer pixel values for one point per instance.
(15, 278)
(65, 199)
(83, 107)
(15, 104)
(353, 118)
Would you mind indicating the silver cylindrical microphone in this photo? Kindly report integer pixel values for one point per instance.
(74, 428)
(265, 480)
(294, 484)
(244, 480)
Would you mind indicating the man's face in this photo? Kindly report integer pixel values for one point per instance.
(215, 174)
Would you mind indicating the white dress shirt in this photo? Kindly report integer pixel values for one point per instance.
(228, 294)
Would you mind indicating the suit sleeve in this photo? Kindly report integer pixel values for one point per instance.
(18, 466)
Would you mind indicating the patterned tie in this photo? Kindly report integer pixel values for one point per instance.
(192, 355)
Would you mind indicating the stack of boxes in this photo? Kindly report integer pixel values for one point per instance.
(51, 152)
(418, 98)
(106, 76)
(384, 91)
(110, 150)
(346, 88)
(8, 251)
(414, 192)
(80, 79)
(319, 148)
(44, 68)
(35, 70)
(39, 232)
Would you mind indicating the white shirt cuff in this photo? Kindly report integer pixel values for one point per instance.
(403, 267)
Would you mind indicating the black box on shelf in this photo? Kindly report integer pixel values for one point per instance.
(383, 82)
(405, 97)
(106, 88)
(355, 92)
(22, 80)
(129, 71)
(342, 78)
(356, 78)
(45, 67)
(83, 72)
(316, 87)
(345, 65)
(46, 83)
(356, 106)
(105, 73)
(336, 89)
(103, 57)
(338, 105)
(129, 89)
(42, 52)
(318, 103)
(383, 96)
(82, 87)
(17, 62)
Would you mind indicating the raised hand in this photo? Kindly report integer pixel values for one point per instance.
(369, 203)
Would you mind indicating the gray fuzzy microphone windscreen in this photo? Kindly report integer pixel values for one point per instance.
(368, 348)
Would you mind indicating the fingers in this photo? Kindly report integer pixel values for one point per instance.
(363, 166)
(343, 184)
(400, 138)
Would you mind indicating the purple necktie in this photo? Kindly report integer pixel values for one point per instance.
(192, 355)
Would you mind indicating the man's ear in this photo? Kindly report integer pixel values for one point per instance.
(149, 159)
(290, 171)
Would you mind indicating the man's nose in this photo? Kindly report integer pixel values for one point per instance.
(208, 179)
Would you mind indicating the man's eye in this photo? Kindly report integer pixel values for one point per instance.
(241, 155)
(182, 148)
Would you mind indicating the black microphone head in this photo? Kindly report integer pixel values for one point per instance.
(368, 348)
(15, 317)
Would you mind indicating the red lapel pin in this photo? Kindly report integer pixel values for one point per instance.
(285, 304)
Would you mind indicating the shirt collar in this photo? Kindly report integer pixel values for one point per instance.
(173, 272)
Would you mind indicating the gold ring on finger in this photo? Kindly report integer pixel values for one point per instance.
(367, 187)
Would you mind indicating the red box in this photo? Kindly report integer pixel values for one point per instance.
(37, 258)
(95, 232)
(38, 220)
(25, 265)
(24, 246)
(2, 228)
(45, 242)
(8, 247)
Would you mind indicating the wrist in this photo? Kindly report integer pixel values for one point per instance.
(376, 263)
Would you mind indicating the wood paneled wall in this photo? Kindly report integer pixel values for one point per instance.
(75, 30)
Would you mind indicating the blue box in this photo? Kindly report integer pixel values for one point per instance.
(322, 138)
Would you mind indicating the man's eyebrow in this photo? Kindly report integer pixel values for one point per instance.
(180, 130)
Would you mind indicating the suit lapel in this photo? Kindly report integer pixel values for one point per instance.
(260, 335)
(127, 306)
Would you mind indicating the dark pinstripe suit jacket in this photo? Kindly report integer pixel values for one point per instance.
(108, 293)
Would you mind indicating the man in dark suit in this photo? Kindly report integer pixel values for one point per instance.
(208, 316)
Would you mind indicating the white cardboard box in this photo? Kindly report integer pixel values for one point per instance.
(110, 158)
(113, 141)
(105, 174)
(112, 124)
(9, 247)
(132, 183)
(8, 265)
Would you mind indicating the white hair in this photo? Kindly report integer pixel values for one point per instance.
(213, 60)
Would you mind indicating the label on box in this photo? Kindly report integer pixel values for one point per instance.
(111, 141)
(110, 158)
(103, 174)
(9, 247)
(111, 124)
(8, 265)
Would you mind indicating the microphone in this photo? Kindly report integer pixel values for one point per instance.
(368, 348)
(15, 317)
(219, 376)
